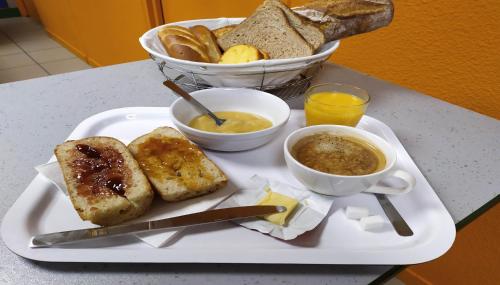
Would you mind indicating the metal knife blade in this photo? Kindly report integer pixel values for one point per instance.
(399, 224)
(212, 216)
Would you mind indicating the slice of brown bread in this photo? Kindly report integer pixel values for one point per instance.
(312, 34)
(268, 30)
(105, 183)
(176, 167)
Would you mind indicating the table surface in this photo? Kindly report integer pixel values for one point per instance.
(456, 149)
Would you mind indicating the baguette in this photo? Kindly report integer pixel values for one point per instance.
(105, 183)
(343, 18)
(176, 167)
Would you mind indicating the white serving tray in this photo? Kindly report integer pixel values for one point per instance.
(41, 208)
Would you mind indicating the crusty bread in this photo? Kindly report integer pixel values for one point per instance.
(208, 39)
(176, 167)
(269, 30)
(105, 183)
(311, 33)
(343, 18)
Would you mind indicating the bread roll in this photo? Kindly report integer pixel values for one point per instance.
(180, 43)
(242, 54)
(208, 39)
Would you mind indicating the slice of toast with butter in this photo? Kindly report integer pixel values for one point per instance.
(176, 167)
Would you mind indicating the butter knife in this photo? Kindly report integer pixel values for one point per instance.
(399, 224)
(212, 216)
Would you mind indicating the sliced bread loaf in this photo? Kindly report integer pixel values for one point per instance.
(105, 183)
(312, 34)
(176, 167)
(269, 30)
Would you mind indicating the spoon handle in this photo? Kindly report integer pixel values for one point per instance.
(174, 87)
(397, 221)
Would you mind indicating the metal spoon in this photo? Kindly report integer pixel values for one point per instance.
(399, 224)
(179, 91)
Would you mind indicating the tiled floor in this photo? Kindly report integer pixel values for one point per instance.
(26, 51)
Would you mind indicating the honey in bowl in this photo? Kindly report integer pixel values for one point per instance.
(340, 155)
(236, 122)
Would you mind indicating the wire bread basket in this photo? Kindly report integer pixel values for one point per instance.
(192, 81)
(287, 78)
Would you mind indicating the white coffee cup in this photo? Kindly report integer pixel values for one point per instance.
(342, 185)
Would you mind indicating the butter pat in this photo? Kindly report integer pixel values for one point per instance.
(277, 199)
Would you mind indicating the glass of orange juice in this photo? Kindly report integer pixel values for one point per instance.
(335, 104)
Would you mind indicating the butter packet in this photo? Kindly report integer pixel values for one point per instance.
(311, 209)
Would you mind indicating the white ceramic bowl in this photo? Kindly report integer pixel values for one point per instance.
(231, 99)
(341, 185)
(250, 75)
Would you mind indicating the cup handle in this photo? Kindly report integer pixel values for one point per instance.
(401, 174)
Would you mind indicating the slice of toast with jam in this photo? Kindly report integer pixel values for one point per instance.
(104, 181)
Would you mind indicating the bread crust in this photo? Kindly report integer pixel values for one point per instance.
(343, 18)
(208, 39)
(101, 205)
(221, 31)
(181, 43)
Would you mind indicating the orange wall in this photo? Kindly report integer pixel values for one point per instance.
(446, 49)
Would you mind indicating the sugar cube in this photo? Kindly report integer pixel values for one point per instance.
(372, 222)
(356, 213)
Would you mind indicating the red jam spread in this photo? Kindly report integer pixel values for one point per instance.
(100, 171)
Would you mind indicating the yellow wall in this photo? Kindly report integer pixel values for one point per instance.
(447, 49)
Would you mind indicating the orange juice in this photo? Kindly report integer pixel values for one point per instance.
(336, 108)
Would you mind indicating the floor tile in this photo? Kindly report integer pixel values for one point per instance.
(66, 65)
(51, 54)
(7, 47)
(37, 43)
(26, 35)
(15, 60)
(21, 73)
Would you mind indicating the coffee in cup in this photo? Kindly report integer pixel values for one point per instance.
(341, 155)
(340, 160)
